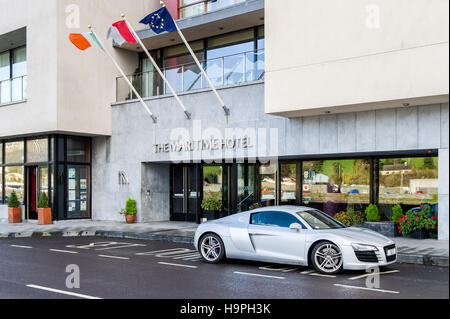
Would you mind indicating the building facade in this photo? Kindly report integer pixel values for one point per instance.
(335, 110)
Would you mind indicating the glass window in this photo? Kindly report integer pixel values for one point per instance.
(37, 150)
(14, 152)
(5, 75)
(334, 185)
(78, 149)
(189, 8)
(246, 186)
(278, 219)
(318, 220)
(408, 181)
(1, 184)
(289, 184)
(78, 205)
(1, 153)
(19, 62)
(212, 180)
(14, 181)
(268, 184)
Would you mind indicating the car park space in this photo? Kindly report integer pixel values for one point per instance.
(160, 263)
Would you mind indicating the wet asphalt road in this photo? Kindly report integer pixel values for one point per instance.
(35, 268)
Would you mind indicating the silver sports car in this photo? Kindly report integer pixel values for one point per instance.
(293, 235)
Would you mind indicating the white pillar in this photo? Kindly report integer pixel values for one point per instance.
(443, 227)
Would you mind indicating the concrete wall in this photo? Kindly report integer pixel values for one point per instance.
(413, 128)
(355, 56)
(69, 91)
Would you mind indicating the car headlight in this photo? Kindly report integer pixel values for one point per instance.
(364, 247)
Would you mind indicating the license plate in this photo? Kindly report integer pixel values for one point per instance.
(391, 252)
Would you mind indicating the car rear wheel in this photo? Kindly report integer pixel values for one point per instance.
(212, 248)
(327, 258)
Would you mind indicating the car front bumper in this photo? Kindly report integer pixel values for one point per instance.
(352, 262)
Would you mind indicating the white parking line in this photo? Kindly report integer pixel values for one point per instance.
(306, 272)
(370, 289)
(257, 275)
(18, 246)
(63, 292)
(178, 265)
(374, 273)
(64, 251)
(322, 275)
(114, 257)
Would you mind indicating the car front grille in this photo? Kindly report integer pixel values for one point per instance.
(367, 256)
(390, 258)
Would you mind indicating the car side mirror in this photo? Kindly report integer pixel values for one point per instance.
(296, 226)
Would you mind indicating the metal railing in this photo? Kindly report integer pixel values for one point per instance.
(203, 6)
(13, 90)
(223, 71)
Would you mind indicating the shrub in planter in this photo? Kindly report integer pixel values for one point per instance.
(14, 212)
(397, 213)
(350, 217)
(44, 212)
(372, 214)
(130, 211)
(212, 206)
(417, 222)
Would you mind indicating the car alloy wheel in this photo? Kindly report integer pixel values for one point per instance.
(327, 258)
(211, 248)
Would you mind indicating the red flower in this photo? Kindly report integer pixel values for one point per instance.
(432, 217)
(407, 221)
(435, 227)
(421, 206)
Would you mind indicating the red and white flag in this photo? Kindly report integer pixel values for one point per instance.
(120, 33)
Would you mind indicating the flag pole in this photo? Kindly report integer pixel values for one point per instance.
(188, 115)
(211, 85)
(124, 76)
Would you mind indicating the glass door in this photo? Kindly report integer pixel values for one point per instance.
(289, 188)
(78, 204)
(185, 193)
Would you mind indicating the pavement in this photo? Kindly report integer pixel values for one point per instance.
(412, 251)
(52, 268)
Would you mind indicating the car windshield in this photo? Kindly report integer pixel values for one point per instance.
(319, 220)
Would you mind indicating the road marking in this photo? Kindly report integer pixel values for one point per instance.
(370, 289)
(114, 257)
(64, 251)
(167, 253)
(178, 265)
(306, 272)
(375, 273)
(322, 275)
(18, 246)
(63, 292)
(277, 268)
(105, 245)
(257, 275)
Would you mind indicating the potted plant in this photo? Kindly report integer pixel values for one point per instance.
(350, 217)
(130, 211)
(212, 206)
(387, 228)
(14, 212)
(417, 223)
(44, 212)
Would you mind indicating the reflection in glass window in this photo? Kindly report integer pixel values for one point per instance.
(245, 186)
(78, 149)
(268, 184)
(408, 181)
(1, 183)
(289, 184)
(14, 152)
(14, 181)
(212, 180)
(37, 150)
(78, 205)
(333, 185)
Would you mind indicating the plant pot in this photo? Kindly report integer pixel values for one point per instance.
(211, 214)
(45, 216)
(14, 215)
(385, 228)
(418, 234)
(131, 219)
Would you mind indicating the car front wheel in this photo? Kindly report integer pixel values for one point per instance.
(212, 248)
(327, 258)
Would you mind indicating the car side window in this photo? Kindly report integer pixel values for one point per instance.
(274, 218)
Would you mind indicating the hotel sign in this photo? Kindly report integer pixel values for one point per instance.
(203, 145)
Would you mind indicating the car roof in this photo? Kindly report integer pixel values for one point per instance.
(287, 208)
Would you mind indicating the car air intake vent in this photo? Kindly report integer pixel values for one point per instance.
(367, 256)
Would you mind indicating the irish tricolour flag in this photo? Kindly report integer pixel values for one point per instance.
(84, 40)
(120, 33)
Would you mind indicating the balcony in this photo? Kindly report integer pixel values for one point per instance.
(189, 8)
(13, 90)
(228, 70)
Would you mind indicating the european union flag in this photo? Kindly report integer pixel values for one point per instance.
(160, 21)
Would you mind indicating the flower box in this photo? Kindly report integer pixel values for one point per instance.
(418, 234)
(385, 228)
